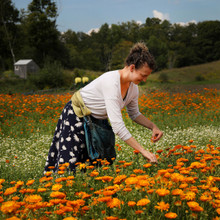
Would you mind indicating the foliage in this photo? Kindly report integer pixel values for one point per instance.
(50, 76)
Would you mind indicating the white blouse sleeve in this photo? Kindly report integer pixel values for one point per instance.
(113, 109)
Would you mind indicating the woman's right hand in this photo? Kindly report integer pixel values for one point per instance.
(150, 156)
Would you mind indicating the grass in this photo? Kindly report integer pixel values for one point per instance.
(184, 184)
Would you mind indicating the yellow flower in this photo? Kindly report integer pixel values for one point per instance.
(57, 194)
(33, 198)
(163, 192)
(171, 215)
(115, 202)
(9, 207)
(10, 191)
(57, 187)
(162, 206)
(143, 202)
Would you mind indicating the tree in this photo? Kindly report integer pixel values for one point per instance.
(9, 16)
(42, 34)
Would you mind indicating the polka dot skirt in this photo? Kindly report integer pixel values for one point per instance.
(68, 145)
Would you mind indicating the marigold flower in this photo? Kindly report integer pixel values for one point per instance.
(147, 165)
(9, 207)
(139, 212)
(70, 218)
(2, 181)
(131, 180)
(41, 190)
(58, 194)
(57, 187)
(131, 203)
(115, 202)
(143, 202)
(163, 192)
(33, 198)
(162, 206)
(119, 179)
(188, 196)
(171, 215)
(30, 182)
(10, 191)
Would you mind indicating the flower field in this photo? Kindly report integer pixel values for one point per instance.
(185, 184)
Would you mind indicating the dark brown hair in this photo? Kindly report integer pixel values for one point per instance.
(139, 55)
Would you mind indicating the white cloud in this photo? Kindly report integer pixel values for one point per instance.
(96, 30)
(186, 23)
(160, 15)
(139, 22)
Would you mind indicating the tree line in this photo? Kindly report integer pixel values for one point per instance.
(33, 34)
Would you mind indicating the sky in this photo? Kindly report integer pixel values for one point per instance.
(87, 15)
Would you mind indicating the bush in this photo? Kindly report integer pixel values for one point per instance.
(51, 76)
(199, 78)
(163, 77)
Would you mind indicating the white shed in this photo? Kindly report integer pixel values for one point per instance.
(24, 67)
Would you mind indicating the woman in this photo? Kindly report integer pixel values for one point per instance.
(105, 97)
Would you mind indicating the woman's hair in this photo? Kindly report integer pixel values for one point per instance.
(139, 55)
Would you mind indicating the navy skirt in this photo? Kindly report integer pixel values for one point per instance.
(68, 145)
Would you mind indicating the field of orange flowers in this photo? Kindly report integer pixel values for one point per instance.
(185, 184)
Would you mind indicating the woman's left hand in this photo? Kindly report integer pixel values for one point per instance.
(156, 135)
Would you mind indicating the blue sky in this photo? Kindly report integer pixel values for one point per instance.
(85, 15)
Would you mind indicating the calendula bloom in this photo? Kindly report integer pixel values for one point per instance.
(9, 207)
(143, 202)
(33, 198)
(70, 218)
(104, 178)
(163, 192)
(119, 179)
(58, 194)
(171, 215)
(188, 196)
(205, 197)
(30, 182)
(139, 212)
(115, 202)
(104, 199)
(41, 190)
(147, 165)
(111, 218)
(162, 206)
(214, 189)
(131, 203)
(10, 191)
(19, 184)
(2, 181)
(131, 181)
(13, 218)
(94, 173)
(57, 187)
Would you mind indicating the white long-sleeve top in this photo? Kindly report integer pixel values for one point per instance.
(103, 97)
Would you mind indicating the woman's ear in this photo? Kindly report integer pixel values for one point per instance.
(132, 67)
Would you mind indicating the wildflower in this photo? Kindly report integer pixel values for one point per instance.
(2, 181)
(131, 203)
(171, 215)
(115, 202)
(58, 194)
(41, 190)
(94, 173)
(57, 187)
(162, 192)
(10, 191)
(147, 165)
(131, 180)
(188, 196)
(9, 207)
(119, 179)
(162, 206)
(70, 218)
(30, 182)
(143, 202)
(33, 198)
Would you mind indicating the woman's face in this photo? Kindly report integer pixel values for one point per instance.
(141, 74)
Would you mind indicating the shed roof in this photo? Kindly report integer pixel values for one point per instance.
(22, 62)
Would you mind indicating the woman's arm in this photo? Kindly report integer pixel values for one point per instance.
(136, 146)
(156, 132)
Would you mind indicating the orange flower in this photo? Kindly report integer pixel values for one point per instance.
(119, 179)
(70, 218)
(33, 198)
(163, 192)
(171, 215)
(115, 202)
(10, 191)
(94, 173)
(139, 212)
(9, 207)
(30, 182)
(143, 202)
(41, 190)
(131, 203)
(147, 165)
(58, 194)
(57, 187)
(162, 206)
(131, 180)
